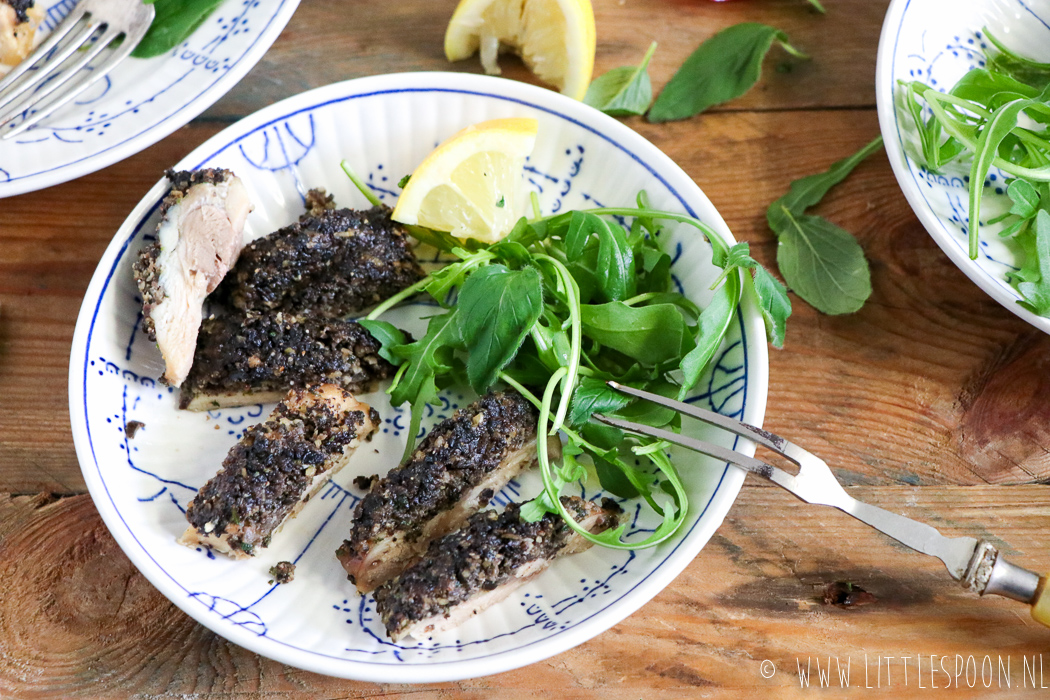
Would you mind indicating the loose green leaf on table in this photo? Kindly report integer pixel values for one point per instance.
(723, 68)
(623, 91)
(808, 191)
(823, 264)
(173, 23)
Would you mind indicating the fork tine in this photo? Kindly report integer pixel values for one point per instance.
(755, 466)
(744, 430)
(67, 75)
(48, 67)
(63, 28)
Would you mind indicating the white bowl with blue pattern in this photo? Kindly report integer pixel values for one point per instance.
(142, 100)
(385, 126)
(937, 43)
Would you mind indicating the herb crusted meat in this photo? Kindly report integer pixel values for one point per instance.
(257, 357)
(453, 472)
(275, 468)
(471, 569)
(198, 239)
(331, 263)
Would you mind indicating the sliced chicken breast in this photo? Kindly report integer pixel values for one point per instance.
(276, 468)
(481, 564)
(198, 240)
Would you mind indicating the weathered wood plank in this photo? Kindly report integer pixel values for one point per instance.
(320, 46)
(78, 620)
(50, 244)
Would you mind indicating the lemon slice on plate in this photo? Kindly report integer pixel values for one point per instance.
(471, 185)
(555, 38)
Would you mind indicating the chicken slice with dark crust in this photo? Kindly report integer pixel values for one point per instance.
(481, 564)
(331, 263)
(245, 358)
(455, 471)
(276, 468)
(198, 240)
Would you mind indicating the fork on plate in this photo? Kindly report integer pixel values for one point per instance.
(977, 564)
(64, 65)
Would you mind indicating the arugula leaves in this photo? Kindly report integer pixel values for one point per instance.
(173, 23)
(566, 303)
(723, 68)
(821, 262)
(623, 91)
(988, 116)
(1037, 291)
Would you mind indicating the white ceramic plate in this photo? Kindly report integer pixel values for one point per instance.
(385, 126)
(142, 100)
(937, 43)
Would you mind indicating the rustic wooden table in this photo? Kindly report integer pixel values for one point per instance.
(931, 401)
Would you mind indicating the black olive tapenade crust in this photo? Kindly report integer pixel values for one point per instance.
(453, 472)
(492, 551)
(256, 357)
(331, 263)
(276, 467)
(21, 8)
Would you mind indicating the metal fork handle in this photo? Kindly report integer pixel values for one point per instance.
(976, 564)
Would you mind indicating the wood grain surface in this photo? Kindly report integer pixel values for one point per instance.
(931, 401)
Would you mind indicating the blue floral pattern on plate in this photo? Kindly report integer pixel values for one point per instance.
(140, 101)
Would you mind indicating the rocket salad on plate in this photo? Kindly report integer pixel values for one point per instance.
(555, 308)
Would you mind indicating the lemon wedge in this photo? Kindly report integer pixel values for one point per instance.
(555, 38)
(471, 185)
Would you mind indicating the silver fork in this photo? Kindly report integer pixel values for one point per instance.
(975, 563)
(89, 29)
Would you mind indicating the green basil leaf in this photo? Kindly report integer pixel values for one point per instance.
(615, 264)
(648, 334)
(823, 264)
(594, 396)
(809, 190)
(173, 23)
(723, 68)
(576, 236)
(1037, 293)
(388, 336)
(774, 304)
(497, 309)
(623, 91)
(710, 331)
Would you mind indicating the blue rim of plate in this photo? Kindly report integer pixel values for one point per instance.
(902, 163)
(154, 132)
(196, 608)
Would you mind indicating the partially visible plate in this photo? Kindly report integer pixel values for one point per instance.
(142, 100)
(937, 43)
(385, 126)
